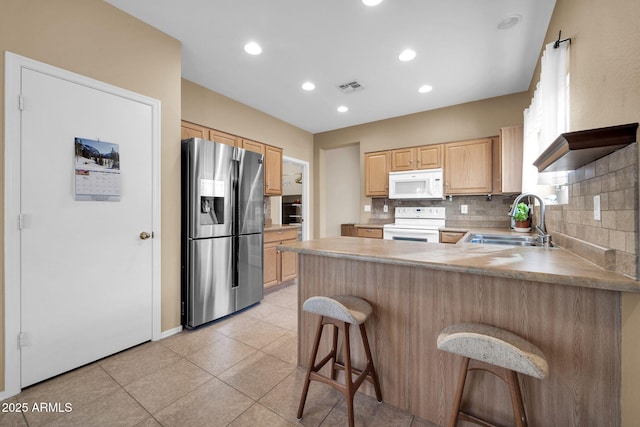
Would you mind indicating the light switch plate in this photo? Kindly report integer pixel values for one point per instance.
(596, 207)
(367, 208)
(385, 208)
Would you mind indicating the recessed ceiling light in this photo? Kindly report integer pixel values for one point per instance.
(308, 86)
(342, 109)
(425, 89)
(371, 2)
(253, 48)
(509, 22)
(407, 55)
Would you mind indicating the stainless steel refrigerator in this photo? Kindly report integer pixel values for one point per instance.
(222, 230)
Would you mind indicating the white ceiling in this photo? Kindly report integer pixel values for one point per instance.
(460, 52)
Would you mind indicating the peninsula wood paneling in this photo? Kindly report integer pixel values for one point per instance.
(578, 329)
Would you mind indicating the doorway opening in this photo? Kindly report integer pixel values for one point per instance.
(294, 202)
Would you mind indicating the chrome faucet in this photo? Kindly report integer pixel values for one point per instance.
(543, 237)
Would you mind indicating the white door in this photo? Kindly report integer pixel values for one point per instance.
(86, 274)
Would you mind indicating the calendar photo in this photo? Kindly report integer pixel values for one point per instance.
(97, 170)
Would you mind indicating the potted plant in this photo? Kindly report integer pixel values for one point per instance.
(521, 216)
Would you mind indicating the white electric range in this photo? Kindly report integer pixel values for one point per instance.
(419, 224)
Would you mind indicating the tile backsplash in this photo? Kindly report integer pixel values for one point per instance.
(481, 211)
(612, 241)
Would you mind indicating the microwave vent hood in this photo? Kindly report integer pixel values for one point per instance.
(572, 150)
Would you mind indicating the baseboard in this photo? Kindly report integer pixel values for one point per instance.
(168, 333)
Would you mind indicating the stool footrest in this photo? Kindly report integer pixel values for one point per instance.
(465, 416)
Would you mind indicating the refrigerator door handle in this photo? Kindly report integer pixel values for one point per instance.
(235, 244)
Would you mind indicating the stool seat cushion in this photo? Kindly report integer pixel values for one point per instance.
(346, 308)
(494, 346)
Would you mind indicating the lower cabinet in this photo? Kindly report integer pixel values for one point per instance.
(279, 266)
(370, 232)
(451, 236)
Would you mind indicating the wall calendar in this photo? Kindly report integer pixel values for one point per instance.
(97, 171)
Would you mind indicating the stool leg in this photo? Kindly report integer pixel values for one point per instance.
(334, 351)
(516, 399)
(457, 401)
(312, 363)
(348, 380)
(370, 366)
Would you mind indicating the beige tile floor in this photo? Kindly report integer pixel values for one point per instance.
(240, 371)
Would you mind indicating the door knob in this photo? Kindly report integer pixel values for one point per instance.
(144, 235)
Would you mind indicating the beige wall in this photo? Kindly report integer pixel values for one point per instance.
(207, 108)
(464, 121)
(92, 38)
(605, 91)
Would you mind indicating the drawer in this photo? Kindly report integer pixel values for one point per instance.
(374, 233)
(280, 235)
(450, 236)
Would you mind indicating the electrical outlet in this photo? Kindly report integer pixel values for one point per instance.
(464, 209)
(596, 207)
(367, 208)
(385, 208)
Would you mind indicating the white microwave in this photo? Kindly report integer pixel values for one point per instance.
(417, 184)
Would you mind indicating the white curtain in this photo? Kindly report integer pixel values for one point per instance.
(547, 117)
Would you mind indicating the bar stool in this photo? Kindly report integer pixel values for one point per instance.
(340, 312)
(497, 351)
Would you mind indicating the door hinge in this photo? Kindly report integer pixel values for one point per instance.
(20, 340)
(20, 221)
(20, 102)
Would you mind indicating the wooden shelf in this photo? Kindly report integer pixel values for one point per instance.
(572, 150)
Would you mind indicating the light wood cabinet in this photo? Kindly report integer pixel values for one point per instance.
(370, 232)
(348, 230)
(376, 173)
(403, 159)
(272, 171)
(413, 158)
(468, 167)
(429, 156)
(192, 130)
(451, 236)
(255, 146)
(507, 160)
(279, 266)
(223, 138)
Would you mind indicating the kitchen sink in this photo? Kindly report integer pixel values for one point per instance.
(504, 239)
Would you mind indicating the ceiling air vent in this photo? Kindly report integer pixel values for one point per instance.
(350, 87)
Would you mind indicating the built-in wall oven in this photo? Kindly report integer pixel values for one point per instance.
(418, 224)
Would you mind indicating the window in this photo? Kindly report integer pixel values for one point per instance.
(545, 119)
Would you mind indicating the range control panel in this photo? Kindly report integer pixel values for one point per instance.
(421, 212)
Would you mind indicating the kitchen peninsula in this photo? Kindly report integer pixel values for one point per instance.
(566, 306)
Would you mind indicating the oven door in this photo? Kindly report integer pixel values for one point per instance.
(411, 234)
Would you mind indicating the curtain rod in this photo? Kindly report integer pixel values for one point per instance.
(557, 43)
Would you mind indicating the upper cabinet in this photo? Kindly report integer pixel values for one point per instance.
(468, 167)
(412, 158)
(272, 171)
(255, 146)
(272, 155)
(192, 130)
(376, 173)
(507, 161)
(429, 156)
(223, 138)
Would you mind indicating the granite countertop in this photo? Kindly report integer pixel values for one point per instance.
(548, 265)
